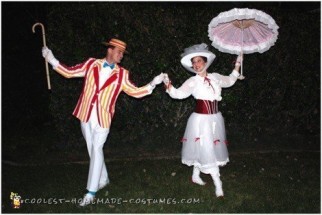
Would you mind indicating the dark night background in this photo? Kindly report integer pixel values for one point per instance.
(31, 113)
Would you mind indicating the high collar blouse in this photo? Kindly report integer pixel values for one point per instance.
(200, 88)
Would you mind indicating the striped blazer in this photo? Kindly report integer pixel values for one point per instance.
(104, 97)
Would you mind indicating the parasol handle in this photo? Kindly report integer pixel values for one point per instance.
(241, 77)
(44, 44)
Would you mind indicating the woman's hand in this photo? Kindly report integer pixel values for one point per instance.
(239, 59)
(166, 81)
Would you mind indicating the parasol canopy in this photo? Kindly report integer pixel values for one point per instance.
(243, 31)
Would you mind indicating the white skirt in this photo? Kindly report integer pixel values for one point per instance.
(204, 144)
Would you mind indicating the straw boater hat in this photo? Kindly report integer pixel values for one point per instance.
(116, 43)
(194, 51)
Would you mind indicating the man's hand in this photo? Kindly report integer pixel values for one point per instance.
(157, 80)
(48, 55)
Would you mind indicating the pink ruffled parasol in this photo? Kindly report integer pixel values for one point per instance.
(243, 31)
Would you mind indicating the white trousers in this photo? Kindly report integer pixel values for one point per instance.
(95, 137)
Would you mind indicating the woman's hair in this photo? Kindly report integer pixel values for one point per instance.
(204, 58)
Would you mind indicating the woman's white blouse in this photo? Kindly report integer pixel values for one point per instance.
(199, 88)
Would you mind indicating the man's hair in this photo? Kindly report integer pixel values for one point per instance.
(110, 47)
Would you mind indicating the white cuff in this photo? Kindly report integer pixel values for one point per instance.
(235, 73)
(169, 89)
(54, 62)
(150, 88)
(153, 86)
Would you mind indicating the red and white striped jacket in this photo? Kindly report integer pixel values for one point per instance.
(106, 96)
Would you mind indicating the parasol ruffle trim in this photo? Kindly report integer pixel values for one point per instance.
(244, 13)
(246, 50)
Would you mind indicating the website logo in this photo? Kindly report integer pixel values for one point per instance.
(15, 200)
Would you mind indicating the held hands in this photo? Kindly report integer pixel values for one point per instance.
(48, 55)
(157, 80)
(166, 81)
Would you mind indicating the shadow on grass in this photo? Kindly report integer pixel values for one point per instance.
(280, 182)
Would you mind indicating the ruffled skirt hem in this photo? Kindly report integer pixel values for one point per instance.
(204, 144)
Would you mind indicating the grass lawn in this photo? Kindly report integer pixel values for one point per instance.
(276, 182)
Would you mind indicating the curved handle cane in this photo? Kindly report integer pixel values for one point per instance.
(44, 44)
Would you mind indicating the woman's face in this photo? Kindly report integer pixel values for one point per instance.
(198, 64)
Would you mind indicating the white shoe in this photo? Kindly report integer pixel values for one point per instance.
(103, 184)
(198, 180)
(88, 199)
(219, 190)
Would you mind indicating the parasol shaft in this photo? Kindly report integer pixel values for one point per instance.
(241, 69)
(44, 44)
(241, 77)
(241, 65)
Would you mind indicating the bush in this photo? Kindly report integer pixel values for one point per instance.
(280, 92)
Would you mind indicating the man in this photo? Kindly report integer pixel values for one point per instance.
(104, 80)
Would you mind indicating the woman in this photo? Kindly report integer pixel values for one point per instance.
(204, 142)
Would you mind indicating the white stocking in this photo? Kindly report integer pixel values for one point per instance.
(196, 176)
(218, 184)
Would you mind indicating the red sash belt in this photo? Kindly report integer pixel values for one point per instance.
(206, 107)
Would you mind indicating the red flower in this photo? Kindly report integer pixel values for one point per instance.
(183, 140)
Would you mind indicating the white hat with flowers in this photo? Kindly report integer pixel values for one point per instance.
(194, 51)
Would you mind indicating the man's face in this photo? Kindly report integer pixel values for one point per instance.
(115, 55)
